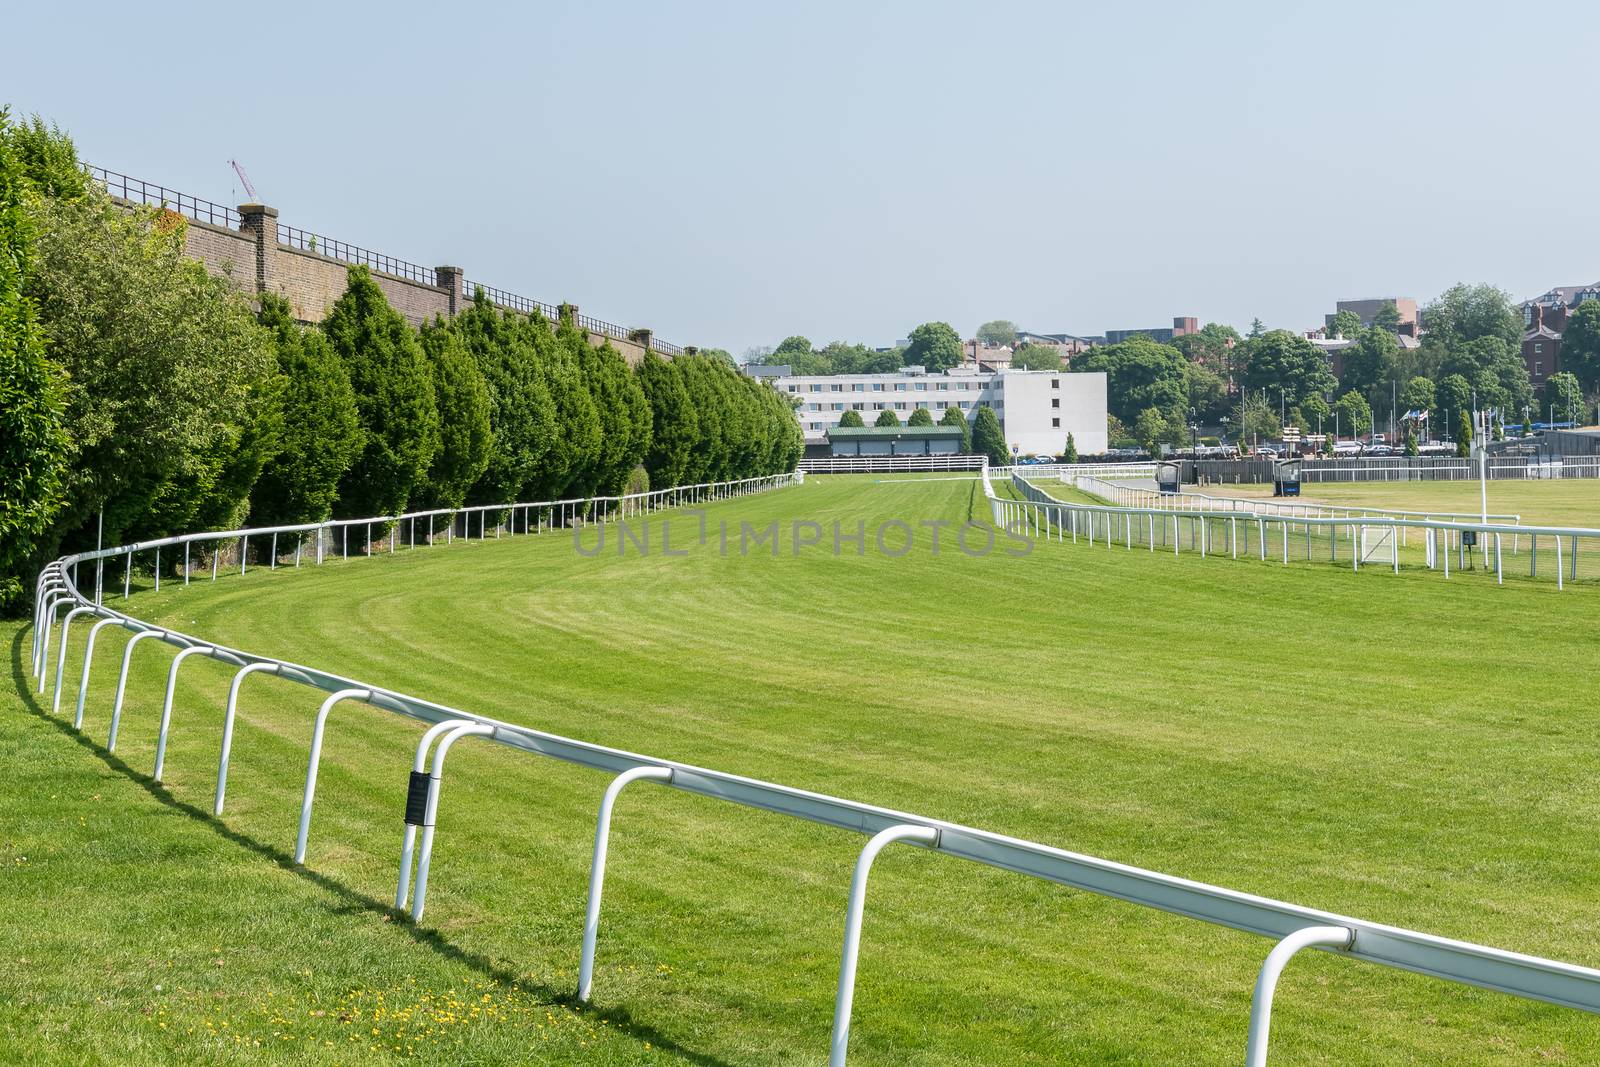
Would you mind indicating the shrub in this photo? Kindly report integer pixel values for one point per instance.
(887, 418)
(850, 420)
(462, 400)
(34, 446)
(920, 417)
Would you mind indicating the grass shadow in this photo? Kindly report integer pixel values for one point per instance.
(351, 901)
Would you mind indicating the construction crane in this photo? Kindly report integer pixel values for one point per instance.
(249, 189)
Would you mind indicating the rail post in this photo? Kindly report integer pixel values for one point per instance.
(597, 869)
(1267, 981)
(924, 835)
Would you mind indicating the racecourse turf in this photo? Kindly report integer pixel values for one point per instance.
(1395, 747)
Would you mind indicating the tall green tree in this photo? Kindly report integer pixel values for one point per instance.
(998, 332)
(1464, 433)
(1370, 361)
(673, 426)
(573, 463)
(321, 433)
(1580, 345)
(1453, 395)
(461, 397)
(522, 416)
(851, 420)
(394, 393)
(1139, 374)
(934, 345)
(172, 384)
(34, 447)
(887, 418)
(1387, 317)
(1346, 324)
(624, 417)
(920, 417)
(1354, 415)
(1070, 453)
(1417, 395)
(1563, 395)
(1208, 393)
(988, 439)
(1280, 362)
(954, 416)
(1212, 346)
(1036, 357)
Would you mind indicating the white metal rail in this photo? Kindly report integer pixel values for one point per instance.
(1232, 533)
(1294, 927)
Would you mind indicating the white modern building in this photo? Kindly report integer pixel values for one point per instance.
(1037, 409)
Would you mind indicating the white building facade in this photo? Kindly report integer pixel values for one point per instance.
(1037, 409)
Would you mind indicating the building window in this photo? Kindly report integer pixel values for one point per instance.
(877, 387)
(899, 387)
(1055, 401)
(964, 405)
(1538, 370)
(857, 387)
(815, 388)
(856, 407)
(838, 407)
(837, 388)
(922, 404)
(1055, 383)
(899, 405)
(922, 387)
(877, 407)
(1056, 423)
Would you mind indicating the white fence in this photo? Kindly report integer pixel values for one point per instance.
(1402, 469)
(1214, 531)
(1134, 496)
(1292, 926)
(890, 464)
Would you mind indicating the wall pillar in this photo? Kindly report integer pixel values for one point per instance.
(567, 314)
(261, 223)
(641, 337)
(451, 280)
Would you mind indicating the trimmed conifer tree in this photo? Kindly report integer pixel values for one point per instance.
(462, 399)
(920, 417)
(673, 426)
(522, 416)
(394, 395)
(321, 433)
(886, 418)
(988, 438)
(850, 420)
(954, 416)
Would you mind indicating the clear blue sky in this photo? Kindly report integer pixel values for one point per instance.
(731, 173)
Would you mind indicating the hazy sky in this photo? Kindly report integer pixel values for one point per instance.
(732, 173)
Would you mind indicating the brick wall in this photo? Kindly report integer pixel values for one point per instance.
(254, 259)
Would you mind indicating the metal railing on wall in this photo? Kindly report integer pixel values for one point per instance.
(293, 237)
(1293, 927)
(138, 191)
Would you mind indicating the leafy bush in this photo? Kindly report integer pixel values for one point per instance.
(851, 420)
(34, 445)
(920, 417)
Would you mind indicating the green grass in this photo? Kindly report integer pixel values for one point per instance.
(1399, 748)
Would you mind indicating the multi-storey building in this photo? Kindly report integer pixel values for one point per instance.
(1367, 310)
(1544, 320)
(1037, 409)
(1181, 327)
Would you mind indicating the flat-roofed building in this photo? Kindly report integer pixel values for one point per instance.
(1037, 409)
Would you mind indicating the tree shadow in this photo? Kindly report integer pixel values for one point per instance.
(350, 901)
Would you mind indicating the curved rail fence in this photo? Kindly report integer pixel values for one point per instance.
(1228, 527)
(1292, 927)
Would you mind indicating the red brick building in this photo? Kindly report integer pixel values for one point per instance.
(1544, 319)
